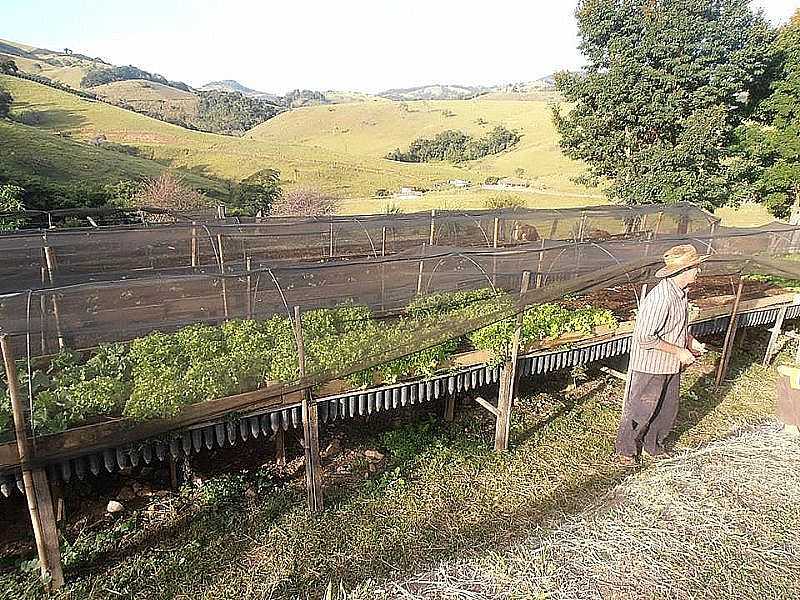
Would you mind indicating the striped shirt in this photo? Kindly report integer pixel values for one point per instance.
(663, 316)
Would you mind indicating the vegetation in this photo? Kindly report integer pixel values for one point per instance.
(665, 86)
(231, 112)
(170, 192)
(410, 529)
(156, 375)
(305, 203)
(258, 193)
(457, 146)
(110, 74)
(5, 103)
(769, 145)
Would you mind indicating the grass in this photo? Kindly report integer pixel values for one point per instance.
(349, 170)
(64, 160)
(442, 496)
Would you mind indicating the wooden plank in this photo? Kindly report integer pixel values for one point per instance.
(487, 405)
(44, 503)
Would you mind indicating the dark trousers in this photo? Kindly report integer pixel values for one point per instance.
(649, 413)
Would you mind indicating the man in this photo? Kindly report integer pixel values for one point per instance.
(660, 348)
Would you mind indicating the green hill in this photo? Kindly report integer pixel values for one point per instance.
(336, 148)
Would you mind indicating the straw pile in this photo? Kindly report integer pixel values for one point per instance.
(723, 521)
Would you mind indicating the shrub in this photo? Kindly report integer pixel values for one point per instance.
(305, 203)
(168, 191)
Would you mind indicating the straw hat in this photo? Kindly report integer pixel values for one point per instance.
(678, 258)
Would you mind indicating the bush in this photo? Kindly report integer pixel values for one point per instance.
(504, 201)
(456, 146)
(168, 191)
(305, 203)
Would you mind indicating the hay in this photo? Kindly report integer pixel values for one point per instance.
(723, 521)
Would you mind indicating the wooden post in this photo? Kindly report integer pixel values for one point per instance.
(421, 269)
(711, 238)
(539, 276)
(658, 224)
(194, 248)
(508, 376)
(553, 229)
(310, 426)
(222, 271)
(432, 237)
(449, 408)
(248, 263)
(383, 241)
(37, 488)
(50, 261)
(730, 334)
(330, 241)
(496, 235)
(582, 227)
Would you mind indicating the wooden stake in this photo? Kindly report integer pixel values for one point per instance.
(508, 376)
(37, 489)
(222, 271)
(730, 334)
(249, 266)
(449, 408)
(582, 227)
(310, 426)
(496, 236)
(50, 261)
(553, 229)
(194, 252)
(421, 269)
(383, 241)
(539, 276)
(330, 241)
(433, 227)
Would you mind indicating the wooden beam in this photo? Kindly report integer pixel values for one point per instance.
(37, 488)
(496, 235)
(449, 408)
(487, 405)
(280, 447)
(222, 271)
(432, 237)
(310, 426)
(50, 261)
(194, 248)
(730, 334)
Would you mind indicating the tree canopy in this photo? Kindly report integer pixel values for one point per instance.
(769, 145)
(665, 85)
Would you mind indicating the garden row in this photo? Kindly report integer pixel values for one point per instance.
(156, 375)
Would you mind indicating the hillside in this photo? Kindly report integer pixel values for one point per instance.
(229, 85)
(301, 164)
(371, 129)
(151, 96)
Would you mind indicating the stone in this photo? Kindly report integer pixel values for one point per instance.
(114, 507)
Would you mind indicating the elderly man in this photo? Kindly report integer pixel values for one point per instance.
(661, 347)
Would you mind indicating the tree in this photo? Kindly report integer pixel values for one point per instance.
(666, 84)
(768, 163)
(168, 191)
(8, 66)
(10, 201)
(259, 192)
(6, 99)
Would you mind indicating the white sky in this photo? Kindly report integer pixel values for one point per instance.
(367, 45)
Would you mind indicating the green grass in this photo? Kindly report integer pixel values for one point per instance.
(34, 152)
(443, 494)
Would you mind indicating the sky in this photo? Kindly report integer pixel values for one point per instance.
(357, 45)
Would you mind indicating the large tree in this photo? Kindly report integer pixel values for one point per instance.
(769, 162)
(665, 85)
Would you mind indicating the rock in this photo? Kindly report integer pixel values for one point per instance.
(114, 507)
(373, 455)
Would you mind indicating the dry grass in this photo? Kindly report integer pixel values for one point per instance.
(719, 522)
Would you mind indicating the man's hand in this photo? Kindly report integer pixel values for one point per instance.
(685, 356)
(697, 347)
